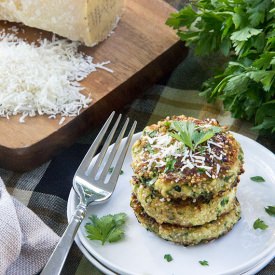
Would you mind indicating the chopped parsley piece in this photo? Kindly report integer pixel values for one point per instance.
(152, 134)
(202, 149)
(170, 164)
(270, 210)
(148, 181)
(204, 263)
(240, 157)
(260, 224)
(224, 201)
(227, 178)
(111, 169)
(207, 196)
(149, 148)
(108, 228)
(258, 179)
(201, 170)
(177, 188)
(168, 257)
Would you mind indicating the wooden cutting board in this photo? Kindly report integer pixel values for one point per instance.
(142, 50)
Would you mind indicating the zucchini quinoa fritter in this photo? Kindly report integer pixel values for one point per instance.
(181, 212)
(188, 235)
(185, 176)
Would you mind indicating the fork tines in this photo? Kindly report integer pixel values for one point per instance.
(91, 170)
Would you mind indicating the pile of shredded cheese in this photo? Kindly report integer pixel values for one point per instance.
(42, 78)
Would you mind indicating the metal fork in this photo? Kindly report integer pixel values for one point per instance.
(91, 187)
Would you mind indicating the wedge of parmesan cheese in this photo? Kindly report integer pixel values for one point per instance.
(87, 21)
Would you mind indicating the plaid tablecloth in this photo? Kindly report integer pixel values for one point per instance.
(45, 190)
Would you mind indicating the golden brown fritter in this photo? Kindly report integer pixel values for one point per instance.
(184, 212)
(188, 235)
(175, 170)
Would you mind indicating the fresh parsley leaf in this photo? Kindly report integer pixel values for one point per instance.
(170, 164)
(167, 124)
(184, 18)
(270, 210)
(227, 178)
(168, 257)
(149, 148)
(224, 201)
(108, 228)
(244, 34)
(190, 134)
(152, 134)
(149, 181)
(200, 137)
(260, 224)
(258, 179)
(204, 263)
(265, 115)
(202, 149)
(201, 170)
(184, 132)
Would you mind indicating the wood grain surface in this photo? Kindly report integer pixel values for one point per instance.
(142, 50)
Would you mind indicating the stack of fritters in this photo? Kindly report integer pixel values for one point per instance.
(185, 177)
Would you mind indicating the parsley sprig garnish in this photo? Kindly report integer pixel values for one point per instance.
(108, 228)
(190, 134)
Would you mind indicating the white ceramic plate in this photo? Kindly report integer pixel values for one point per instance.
(93, 260)
(141, 252)
(259, 266)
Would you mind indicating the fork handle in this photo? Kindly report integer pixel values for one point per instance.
(59, 255)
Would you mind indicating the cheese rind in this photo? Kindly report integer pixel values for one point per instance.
(87, 21)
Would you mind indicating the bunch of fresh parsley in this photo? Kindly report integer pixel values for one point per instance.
(244, 31)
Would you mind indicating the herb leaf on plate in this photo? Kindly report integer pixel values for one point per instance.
(204, 263)
(260, 224)
(258, 179)
(108, 228)
(270, 210)
(168, 257)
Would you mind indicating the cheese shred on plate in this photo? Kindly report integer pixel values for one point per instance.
(43, 78)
